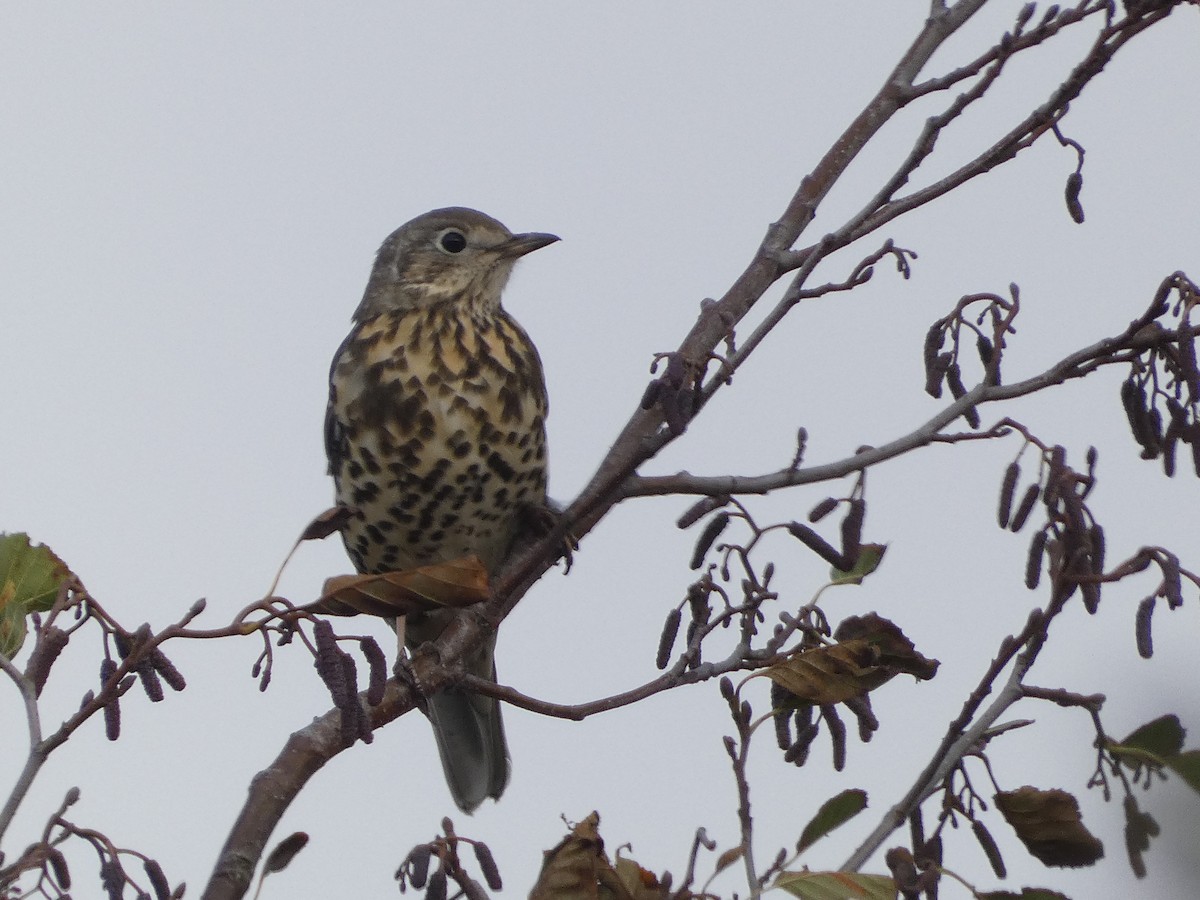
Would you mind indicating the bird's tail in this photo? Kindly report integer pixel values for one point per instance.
(470, 741)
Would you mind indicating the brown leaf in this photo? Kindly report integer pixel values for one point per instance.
(1050, 826)
(641, 884)
(895, 650)
(579, 869)
(327, 523)
(573, 868)
(829, 675)
(457, 583)
(870, 652)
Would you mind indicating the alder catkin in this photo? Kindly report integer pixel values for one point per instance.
(1145, 641)
(1007, 487)
(708, 536)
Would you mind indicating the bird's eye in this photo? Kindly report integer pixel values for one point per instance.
(452, 241)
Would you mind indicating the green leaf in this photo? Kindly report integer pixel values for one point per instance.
(1187, 766)
(836, 886)
(1026, 894)
(1162, 737)
(835, 811)
(12, 628)
(869, 558)
(30, 576)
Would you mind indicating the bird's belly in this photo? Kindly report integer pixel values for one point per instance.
(452, 485)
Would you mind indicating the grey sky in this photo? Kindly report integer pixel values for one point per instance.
(191, 199)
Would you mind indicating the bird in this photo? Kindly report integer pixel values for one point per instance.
(436, 437)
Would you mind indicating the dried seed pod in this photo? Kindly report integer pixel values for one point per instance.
(852, 526)
(935, 374)
(1170, 439)
(1145, 641)
(1133, 400)
(822, 509)
(1090, 592)
(666, 641)
(1033, 562)
(58, 865)
(904, 871)
(1172, 587)
(959, 390)
(123, 642)
(112, 878)
(708, 536)
(868, 724)
(164, 667)
(1074, 207)
(1007, 487)
(700, 509)
(150, 683)
(355, 723)
(816, 543)
(1187, 362)
(797, 754)
(954, 381)
(487, 865)
(987, 352)
(328, 663)
(285, 851)
(437, 886)
(990, 850)
(837, 735)
(418, 865)
(377, 670)
(1098, 549)
(1156, 429)
(782, 714)
(158, 879)
(934, 338)
(112, 709)
(1025, 507)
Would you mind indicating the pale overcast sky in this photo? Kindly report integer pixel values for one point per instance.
(192, 196)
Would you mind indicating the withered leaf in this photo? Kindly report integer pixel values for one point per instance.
(639, 883)
(579, 869)
(871, 651)
(457, 583)
(1050, 826)
(893, 646)
(327, 523)
(574, 867)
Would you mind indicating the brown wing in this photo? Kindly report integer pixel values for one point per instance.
(335, 428)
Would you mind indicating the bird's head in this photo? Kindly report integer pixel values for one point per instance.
(453, 256)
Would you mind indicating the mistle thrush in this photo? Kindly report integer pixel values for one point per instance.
(436, 434)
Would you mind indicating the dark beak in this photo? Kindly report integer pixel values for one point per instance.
(520, 244)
